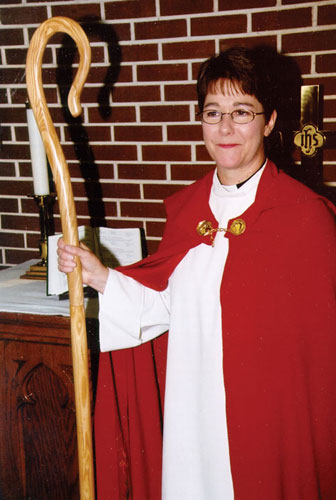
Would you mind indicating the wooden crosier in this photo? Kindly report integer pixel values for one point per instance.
(69, 224)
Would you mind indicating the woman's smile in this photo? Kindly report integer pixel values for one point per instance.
(227, 146)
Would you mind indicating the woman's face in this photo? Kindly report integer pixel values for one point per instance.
(237, 149)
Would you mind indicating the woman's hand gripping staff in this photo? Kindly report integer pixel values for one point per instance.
(94, 273)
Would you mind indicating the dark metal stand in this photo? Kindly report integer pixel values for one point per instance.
(45, 204)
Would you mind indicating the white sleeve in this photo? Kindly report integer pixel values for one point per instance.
(130, 313)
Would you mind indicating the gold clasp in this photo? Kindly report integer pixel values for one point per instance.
(204, 228)
(237, 227)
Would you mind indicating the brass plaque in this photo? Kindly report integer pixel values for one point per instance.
(309, 139)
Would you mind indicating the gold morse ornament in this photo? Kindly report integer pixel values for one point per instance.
(204, 228)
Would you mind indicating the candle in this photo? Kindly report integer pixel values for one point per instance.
(38, 156)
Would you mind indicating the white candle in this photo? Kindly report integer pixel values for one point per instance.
(38, 156)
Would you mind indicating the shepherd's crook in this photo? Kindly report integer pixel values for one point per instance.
(69, 224)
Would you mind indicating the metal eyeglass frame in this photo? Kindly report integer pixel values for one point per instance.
(253, 114)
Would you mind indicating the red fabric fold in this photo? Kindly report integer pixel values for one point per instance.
(128, 422)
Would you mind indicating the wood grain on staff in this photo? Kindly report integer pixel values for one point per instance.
(69, 223)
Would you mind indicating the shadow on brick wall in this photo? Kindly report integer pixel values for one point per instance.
(283, 81)
(67, 54)
(286, 81)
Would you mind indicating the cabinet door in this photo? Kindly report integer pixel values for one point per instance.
(38, 453)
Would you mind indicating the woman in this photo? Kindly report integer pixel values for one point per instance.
(243, 279)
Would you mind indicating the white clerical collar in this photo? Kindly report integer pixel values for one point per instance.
(223, 189)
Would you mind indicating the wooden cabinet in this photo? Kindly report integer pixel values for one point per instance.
(38, 450)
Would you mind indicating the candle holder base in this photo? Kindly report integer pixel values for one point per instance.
(36, 272)
(44, 202)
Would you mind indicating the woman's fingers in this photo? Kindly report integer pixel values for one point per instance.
(66, 256)
(66, 267)
(94, 273)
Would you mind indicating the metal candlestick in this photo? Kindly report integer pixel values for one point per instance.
(45, 203)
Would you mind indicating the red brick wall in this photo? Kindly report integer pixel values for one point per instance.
(138, 140)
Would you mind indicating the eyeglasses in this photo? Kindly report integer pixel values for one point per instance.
(241, 116)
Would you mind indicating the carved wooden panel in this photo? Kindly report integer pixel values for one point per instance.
(38, 453)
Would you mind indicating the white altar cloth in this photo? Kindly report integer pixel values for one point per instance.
(29, 296)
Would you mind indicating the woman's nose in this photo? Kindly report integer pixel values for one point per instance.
(226, 123)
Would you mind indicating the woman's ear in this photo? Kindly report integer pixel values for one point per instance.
(271, 122)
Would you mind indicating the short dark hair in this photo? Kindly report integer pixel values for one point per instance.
(249, 70)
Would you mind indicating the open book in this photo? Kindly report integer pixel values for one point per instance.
(113, 247)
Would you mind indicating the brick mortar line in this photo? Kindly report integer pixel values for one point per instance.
(158, 18)
(151, 19)
(187, 39)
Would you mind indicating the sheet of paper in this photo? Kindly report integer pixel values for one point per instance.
(119, 246)
(57, 282)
